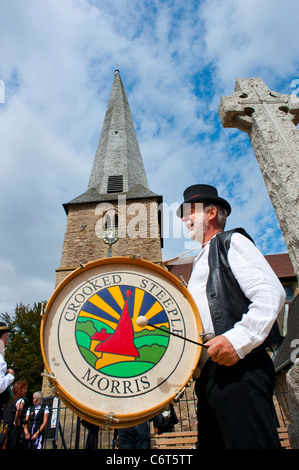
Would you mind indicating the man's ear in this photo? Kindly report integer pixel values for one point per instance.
(212, 213)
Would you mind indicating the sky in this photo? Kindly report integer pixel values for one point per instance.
(176, 59)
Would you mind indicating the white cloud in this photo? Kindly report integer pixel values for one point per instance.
(251, 38)
(176, 59)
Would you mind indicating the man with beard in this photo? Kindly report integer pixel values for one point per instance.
(238, 297)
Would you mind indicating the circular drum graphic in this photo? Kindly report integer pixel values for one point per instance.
(107, 366)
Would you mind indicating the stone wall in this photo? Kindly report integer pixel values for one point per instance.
(84, 244)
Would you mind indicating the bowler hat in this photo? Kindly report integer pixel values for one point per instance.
(202, 193)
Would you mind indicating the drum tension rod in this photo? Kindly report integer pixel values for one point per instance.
(111, 418)
(179, 394)
(205, 334)
(50, 375)
(80, 264)
(134, 256)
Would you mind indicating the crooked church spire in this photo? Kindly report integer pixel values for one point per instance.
(118, 166)
(118, 160)
(100, 223)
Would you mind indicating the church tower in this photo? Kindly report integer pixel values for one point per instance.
(118, 215)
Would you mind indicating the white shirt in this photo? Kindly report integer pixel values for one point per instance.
(36, 410)
(5, 379)
(259, 284)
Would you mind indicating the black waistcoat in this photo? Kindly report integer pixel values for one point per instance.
(9, 413)
(226, 300)
(36, 420)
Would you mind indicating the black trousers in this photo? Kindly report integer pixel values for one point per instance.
(135, 437)
(235, 405)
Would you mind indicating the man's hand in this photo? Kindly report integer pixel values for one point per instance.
(222, 351)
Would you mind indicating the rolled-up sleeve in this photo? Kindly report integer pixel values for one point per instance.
(262, 287)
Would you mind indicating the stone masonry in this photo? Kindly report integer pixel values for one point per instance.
(82, 244)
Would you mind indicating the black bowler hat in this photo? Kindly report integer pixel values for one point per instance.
(3, 327)
(202, 193)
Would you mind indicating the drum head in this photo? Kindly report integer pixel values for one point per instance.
(105, 367)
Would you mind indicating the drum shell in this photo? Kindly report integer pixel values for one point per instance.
(134, 407)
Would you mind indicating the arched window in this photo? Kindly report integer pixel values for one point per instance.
(107, 223)
(111, 220)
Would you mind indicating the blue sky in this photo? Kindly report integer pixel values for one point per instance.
(176, 60)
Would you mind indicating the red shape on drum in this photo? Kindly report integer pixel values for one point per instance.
(122, 340)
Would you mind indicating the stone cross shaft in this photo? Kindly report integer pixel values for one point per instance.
(270, 120)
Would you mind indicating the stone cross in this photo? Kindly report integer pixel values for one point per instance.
(270, 120)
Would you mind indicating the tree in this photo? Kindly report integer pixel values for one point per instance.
(23, 352)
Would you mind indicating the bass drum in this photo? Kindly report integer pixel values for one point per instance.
(106, 367)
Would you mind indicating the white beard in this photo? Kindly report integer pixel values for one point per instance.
(197, 229)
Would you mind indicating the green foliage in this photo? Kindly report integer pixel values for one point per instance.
(23, 352)
(151, 353)
(87, 327)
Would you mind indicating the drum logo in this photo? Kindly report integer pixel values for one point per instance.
(109, 338)
(117, 354)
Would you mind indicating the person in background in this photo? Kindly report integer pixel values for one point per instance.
(92, 436)
(35, 422)
(134, 437)
(165, 421)
(13, 416)
(7, 376)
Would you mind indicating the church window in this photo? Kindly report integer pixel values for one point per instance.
(111, 221)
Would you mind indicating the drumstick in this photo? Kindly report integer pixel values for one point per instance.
(143, 322)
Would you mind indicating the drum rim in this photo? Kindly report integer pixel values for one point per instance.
(62, 393)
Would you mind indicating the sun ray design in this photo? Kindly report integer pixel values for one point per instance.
(117, 295)
(154, 310)
(100, 303)
(139, 295)
(112, 324)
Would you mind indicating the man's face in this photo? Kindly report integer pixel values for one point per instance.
(196, 221)
(4, 338)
